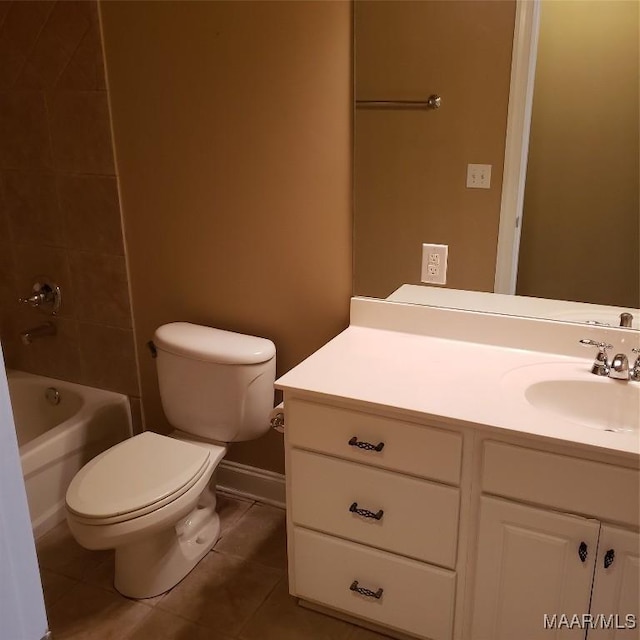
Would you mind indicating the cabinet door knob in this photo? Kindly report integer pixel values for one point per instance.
(365, 513)
(366, 592)
(608, 558)
(367, 446)
(583, 551)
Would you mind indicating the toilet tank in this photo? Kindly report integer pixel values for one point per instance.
(215, 384)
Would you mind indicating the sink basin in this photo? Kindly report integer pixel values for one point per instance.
(569, 391)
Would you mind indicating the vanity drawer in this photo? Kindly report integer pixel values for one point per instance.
(419, 518)
(409, 448)
(416, 598)
(570, 484)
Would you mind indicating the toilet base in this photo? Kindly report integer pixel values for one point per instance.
(156, 563)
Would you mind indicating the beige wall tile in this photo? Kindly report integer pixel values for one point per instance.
(57, 45)
(21, 23)
(90, 207)
(23, 131)
(108, 358)
(100, 286)
(56, 356)
(13, 320)
(85, 71)
(24, 21)
(80, 132)
(64, 30)
(137, 424)
(31, 204)
(33, 261)
(7, 279)
(4, 10)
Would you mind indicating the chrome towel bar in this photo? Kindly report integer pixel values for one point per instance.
(432, 102)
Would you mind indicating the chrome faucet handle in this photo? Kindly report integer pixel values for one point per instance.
(45, 296)
(600, 365)
(634, 373)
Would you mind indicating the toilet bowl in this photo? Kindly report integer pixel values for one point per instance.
(152, 497)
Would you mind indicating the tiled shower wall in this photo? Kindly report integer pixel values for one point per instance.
(59, 209)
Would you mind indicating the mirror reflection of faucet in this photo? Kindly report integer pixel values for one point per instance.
(42, 330)
(618, 367)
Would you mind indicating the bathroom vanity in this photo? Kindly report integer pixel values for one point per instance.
(454, 474)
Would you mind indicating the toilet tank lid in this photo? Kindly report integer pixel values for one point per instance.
(212, 345)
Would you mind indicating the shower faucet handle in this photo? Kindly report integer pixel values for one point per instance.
(46, 296)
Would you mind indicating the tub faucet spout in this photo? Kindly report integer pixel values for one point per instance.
(42, 330)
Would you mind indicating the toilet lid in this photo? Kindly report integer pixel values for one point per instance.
(134, 474)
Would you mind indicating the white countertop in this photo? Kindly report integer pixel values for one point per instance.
(447, 380)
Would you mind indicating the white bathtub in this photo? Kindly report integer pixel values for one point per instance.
(56, 440)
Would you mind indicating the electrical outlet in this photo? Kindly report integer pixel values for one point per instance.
(478, 176)
(434, 263)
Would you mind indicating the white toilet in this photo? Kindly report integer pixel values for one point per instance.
(151, 498)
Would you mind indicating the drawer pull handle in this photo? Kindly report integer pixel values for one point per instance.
(608, 558)
(366, 592)
(365, 513)
(367, 446)
(583, 552)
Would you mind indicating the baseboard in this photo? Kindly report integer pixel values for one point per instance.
(251, 483)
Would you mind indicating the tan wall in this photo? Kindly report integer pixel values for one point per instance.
(232, 134)
(582, 214)
(410, 166)
(59, 211)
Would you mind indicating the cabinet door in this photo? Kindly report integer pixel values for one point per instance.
(616, 586)
(531, 562)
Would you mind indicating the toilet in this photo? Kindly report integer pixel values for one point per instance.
(152, 497)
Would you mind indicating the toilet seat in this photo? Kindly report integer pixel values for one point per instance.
(136, 477)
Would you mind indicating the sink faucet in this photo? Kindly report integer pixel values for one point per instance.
(42, 330)
(618, 368)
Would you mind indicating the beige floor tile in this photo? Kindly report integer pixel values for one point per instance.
(260, 536)
(230, 511)
(59, 552)
(55, 586)
(222, 592)
(90, 613)
(281, 618)
(161, 625)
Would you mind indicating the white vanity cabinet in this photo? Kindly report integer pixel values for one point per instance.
(373, 515)
(532, 560)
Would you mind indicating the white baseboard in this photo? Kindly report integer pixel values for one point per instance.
(251, 483)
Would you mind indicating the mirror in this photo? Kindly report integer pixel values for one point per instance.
(410, 165)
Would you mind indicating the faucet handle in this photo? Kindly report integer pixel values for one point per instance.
(603, 346)
(600, 366)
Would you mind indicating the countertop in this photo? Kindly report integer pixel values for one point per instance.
(447, 380)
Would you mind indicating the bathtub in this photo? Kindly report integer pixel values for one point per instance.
(60, 427)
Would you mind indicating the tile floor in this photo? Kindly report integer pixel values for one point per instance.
(238, 591)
